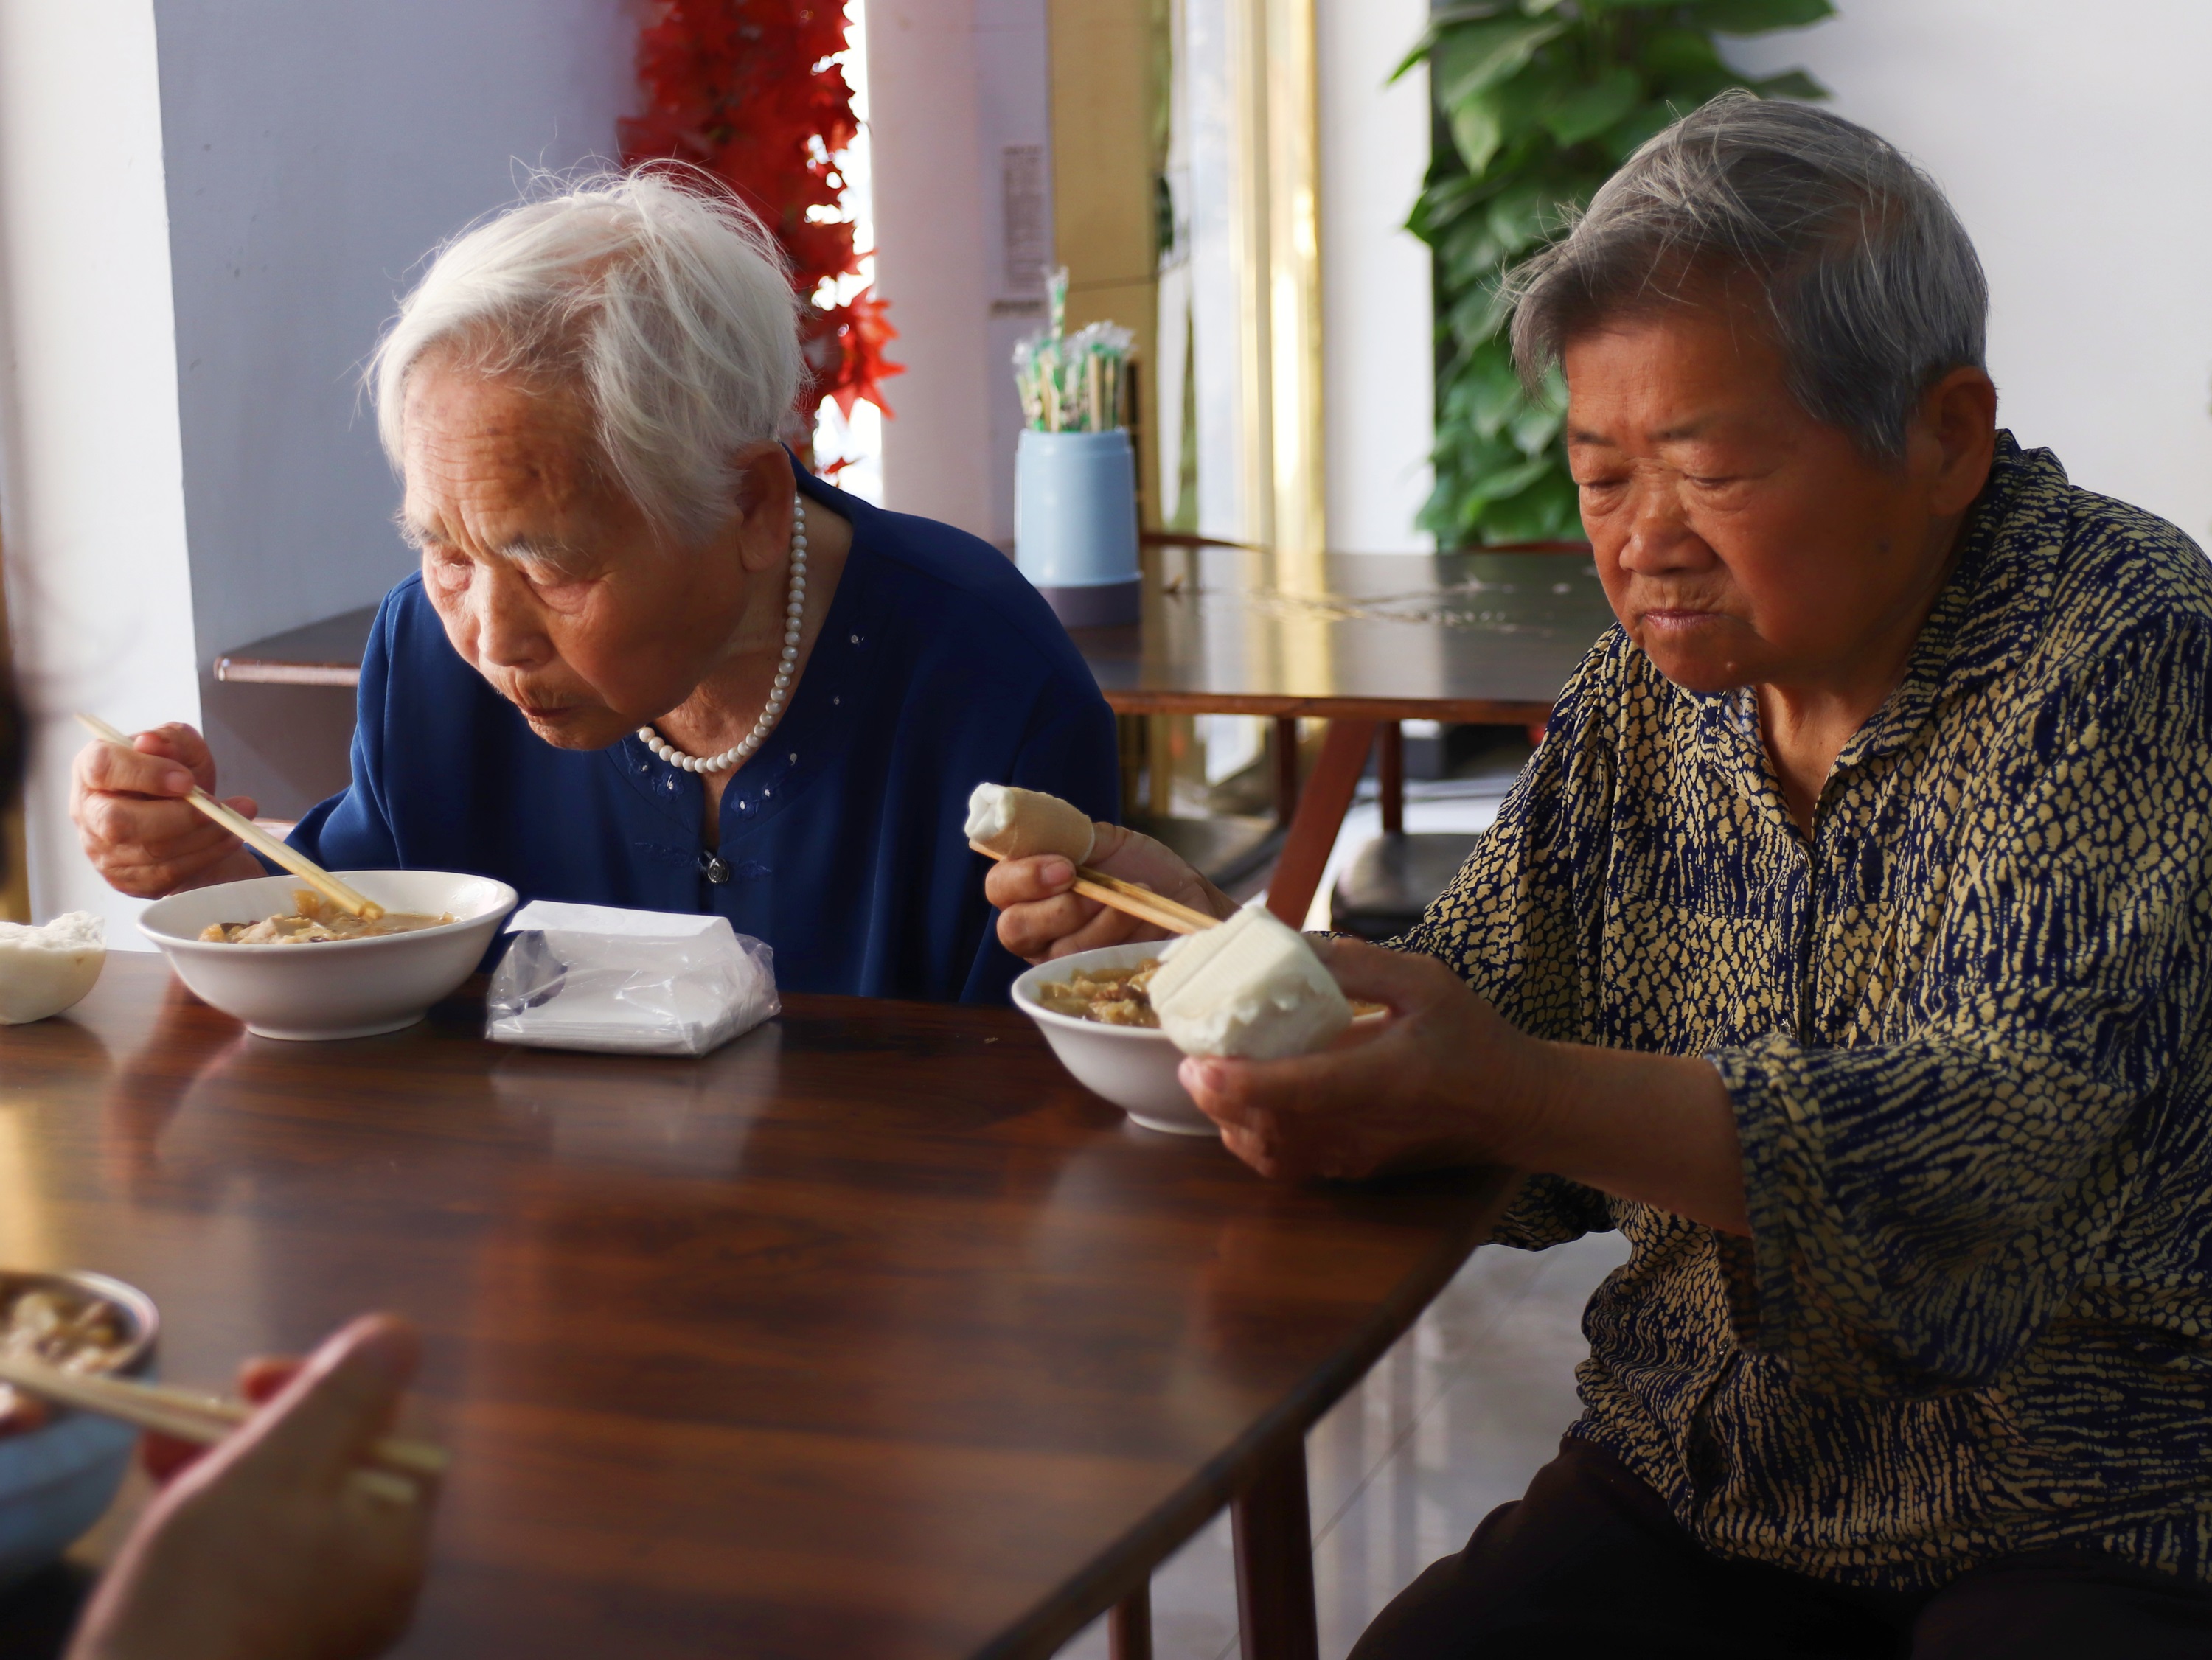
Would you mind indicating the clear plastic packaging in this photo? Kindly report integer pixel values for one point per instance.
(628, 982)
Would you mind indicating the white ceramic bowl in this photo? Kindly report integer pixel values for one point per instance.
(55, 1481)
(1131, 1066)
(340, 988)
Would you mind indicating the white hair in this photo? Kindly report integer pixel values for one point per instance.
(656, 296)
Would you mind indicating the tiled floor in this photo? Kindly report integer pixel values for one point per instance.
(1449, 1424)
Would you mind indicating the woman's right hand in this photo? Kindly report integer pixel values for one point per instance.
(1040, 917)
(137, 828)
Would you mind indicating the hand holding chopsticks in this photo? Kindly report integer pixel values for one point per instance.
(338, 893)
(1132, 900)
(204, 1420)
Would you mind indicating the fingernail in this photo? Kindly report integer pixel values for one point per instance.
(180, 782)
(1056, 872)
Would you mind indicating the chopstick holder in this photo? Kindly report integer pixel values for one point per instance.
(338, 892)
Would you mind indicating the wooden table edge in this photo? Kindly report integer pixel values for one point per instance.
(1126, 1567)
(1473, 711)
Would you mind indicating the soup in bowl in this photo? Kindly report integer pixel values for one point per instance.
(254, 949)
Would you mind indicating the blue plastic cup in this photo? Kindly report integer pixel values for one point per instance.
(1075, 524)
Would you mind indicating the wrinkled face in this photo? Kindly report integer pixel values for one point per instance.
(1739, 539)
(551, 585)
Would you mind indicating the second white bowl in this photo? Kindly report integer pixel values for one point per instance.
(338, 988)
(1131, 1066)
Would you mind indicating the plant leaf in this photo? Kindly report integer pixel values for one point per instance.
(1476, 56)
(1477, 130)
(1473, 12)
(1757, 17)
(1522, 215)
(1590, 109)
(1678, 51)
(1793, 84)
(1630, 134)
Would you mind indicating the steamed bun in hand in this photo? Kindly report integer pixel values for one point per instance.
(43, 971)
(1252, 987)
(1020, 824)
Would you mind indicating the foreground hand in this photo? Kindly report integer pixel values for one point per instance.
(264, 1546)
(137, 829)
(1447, 1080)
(1040, 917)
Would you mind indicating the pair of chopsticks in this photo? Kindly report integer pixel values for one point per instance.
(1130, 900)
(203, 1420)
(346, 898)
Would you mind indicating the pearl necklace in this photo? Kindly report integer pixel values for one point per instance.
(794, 609)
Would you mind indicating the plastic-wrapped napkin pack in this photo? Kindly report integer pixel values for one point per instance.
(628, 982)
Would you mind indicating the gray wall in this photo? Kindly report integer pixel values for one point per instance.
(314, 151)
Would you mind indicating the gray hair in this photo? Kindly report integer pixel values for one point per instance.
(1873, 288)
(657, 296)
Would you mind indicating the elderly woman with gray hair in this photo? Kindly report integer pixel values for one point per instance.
(1847, 945)
(648, 661)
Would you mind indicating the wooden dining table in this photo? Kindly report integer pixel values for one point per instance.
(870, 1334)
(1360, 641)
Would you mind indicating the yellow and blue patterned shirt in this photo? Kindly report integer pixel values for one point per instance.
(1964, 1026)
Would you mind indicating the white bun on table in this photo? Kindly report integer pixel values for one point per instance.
(46, 970)
(1013, 823)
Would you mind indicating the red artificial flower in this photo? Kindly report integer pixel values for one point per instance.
(744, 89)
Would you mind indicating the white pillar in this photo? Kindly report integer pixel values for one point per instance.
(1377, 331)
(92, 501)
(934, 258)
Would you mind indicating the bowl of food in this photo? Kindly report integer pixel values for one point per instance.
(1092, 1009)
(59, 1470)
(289, 964)
(1095, 1008)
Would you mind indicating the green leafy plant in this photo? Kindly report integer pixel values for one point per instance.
(1537, 102)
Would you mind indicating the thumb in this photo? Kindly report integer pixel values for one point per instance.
(1397, 979)
(321, 1423)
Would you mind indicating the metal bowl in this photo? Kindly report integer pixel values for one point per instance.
(55, 1481)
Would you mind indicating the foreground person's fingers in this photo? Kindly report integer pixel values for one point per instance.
(274, 1542)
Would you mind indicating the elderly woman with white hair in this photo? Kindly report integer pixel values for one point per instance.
(648, 660)
(1847, 945)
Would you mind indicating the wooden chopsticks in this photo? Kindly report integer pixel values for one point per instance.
(1129, 898)
(346, 898)
(204, 1419)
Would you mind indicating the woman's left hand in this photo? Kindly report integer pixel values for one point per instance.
(1447, 1080)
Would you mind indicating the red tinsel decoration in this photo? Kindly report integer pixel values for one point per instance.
(744, 88)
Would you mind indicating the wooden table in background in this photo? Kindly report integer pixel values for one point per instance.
(1360, 641)
(870, 1334)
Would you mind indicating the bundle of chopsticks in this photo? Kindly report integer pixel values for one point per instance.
(1073, 383)
(395, 1465)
